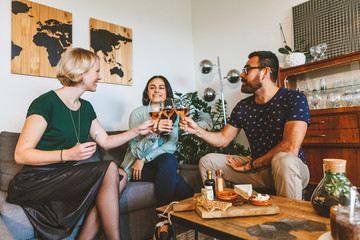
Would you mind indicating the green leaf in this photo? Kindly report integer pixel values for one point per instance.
(283, 51)
(288, 48)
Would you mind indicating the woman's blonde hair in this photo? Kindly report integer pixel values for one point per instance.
(74, 63)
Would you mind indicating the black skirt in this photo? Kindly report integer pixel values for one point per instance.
(55, 199)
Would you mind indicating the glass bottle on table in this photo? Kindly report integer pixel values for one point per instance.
(333, 189)
(219, 181)
(209, 181)
(154, 110)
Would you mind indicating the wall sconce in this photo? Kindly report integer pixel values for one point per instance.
(209, 94)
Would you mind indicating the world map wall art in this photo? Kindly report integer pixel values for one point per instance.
(40, 35)
(113, 44)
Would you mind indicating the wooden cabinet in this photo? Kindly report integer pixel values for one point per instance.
(334, 132)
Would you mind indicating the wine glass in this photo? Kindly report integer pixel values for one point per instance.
(334, 100)
(347, 99)
(316, 99)
(167, 108)
(154, 110)
(182, 106)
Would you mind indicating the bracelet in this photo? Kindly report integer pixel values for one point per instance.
(245, 171)
(61, 160)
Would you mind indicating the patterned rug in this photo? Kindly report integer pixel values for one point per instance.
(190, 235)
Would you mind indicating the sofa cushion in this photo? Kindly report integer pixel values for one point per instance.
(18, 223)
(15, 218)
(8, 166)
(137, 195)
(5, 232)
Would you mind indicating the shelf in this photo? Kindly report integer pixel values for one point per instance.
(321, 64)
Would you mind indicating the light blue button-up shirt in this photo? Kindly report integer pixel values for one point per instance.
(144, 146)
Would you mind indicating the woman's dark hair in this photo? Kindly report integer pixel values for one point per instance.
(169, 94)
(267, 59)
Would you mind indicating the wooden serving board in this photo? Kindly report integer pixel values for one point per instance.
(185, 205)
(237, 211)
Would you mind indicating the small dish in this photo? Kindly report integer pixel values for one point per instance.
(227, 195)
(259, 203)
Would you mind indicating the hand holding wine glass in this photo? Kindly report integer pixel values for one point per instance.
(154, 110)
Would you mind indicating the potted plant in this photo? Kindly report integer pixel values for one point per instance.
(294, 56)
(190, 148)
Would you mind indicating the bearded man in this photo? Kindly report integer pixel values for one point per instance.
(274, 120)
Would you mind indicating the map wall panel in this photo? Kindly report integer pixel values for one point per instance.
(40, 35)
(113, 44)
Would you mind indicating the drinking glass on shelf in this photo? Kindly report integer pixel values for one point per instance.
(309, 98)
(334, 100)
(347, 99)
(182, 106)
(167, 108)
(322, 48)
(316, 98)
(315, 53)
(154, 110)
(323, 84)
(356, 97)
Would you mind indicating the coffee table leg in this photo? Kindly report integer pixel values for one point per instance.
(196, 235)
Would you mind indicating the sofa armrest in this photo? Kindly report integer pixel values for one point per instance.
(4, 230)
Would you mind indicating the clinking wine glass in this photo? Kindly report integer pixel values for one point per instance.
(167, 108)
(154, 110)
(182, 106)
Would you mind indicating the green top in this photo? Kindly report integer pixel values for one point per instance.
(144, 146)
(60, 132)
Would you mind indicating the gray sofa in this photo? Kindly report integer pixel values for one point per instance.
(137, 204)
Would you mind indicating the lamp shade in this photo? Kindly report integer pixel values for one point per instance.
(206, 66)
(233, 76)
(209, 94)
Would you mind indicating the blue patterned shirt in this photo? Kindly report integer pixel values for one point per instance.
(264, 123)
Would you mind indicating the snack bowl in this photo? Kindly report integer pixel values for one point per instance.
(254, 201)
(227, 195)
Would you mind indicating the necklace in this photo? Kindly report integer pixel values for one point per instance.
(77, 133)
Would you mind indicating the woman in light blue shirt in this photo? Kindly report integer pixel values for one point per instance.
(151, 159)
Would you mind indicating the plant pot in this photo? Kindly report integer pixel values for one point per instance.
(295, 59)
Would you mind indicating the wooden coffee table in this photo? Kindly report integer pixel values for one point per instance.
(235, 228)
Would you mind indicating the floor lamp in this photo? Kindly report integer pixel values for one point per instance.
(209, 94)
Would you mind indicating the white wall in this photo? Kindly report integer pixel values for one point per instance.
(170, 37)
(231, 29)
(162, 44)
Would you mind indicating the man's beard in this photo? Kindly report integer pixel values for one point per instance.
(252, 86)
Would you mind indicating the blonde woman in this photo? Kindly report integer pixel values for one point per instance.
(54, 188)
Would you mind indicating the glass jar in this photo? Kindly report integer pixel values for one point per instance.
(344, 226)
(333, 189)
